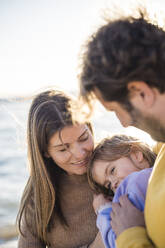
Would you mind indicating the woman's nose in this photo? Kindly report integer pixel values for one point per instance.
(78, 151)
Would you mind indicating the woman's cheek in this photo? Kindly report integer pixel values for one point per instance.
(91, 144)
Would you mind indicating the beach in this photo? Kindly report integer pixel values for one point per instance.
(9, 244)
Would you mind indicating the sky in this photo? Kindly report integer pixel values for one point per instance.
(41, 40)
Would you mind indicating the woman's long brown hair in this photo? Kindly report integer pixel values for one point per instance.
(49, 113)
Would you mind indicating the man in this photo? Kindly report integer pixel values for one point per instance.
(124, 68)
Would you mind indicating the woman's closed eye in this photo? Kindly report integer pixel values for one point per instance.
(84, 137)
(64, 148)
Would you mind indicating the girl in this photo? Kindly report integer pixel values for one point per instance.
(111, 173)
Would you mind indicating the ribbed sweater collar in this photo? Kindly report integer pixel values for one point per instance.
(75, 179)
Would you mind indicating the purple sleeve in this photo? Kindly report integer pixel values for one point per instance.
(135, 186)
(103, 223)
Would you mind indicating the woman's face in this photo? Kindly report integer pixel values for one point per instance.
(71, 148)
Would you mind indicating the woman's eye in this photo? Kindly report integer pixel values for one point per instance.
(84, 138)
(62, 150)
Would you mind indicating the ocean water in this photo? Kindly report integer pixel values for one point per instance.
(13, 165)
(13, 154)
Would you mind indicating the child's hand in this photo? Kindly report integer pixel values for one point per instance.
(98, 201)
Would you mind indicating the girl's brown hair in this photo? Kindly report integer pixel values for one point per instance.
(114, 148)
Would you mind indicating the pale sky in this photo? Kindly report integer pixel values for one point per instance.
(41, 39)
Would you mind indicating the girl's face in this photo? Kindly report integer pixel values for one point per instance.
(110, 173)
(71, 148)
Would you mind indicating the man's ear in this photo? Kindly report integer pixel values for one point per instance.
(141, 92)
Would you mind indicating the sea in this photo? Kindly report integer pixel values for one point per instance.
(13, 156)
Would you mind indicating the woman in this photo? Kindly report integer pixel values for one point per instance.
(56, 207)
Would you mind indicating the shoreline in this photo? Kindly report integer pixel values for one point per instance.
(9, 244)
(8, 236)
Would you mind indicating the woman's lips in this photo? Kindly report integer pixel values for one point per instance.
(81, 162)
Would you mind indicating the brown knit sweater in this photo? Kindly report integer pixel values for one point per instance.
(78, 211)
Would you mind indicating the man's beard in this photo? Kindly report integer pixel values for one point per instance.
(148, 123)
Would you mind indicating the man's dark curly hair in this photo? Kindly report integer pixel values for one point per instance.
(123, 50)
